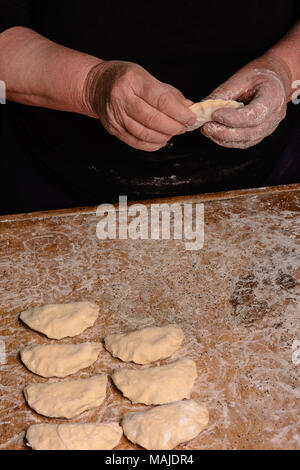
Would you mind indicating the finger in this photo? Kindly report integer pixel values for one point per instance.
(144, 133)
(186, 101)
(140, 145)
(125, 136)
(229, 135)
(236, 87)
(153, 119)
(241, 144)
(180, 95)
(251, 115)
(189, 102)
(168, 103)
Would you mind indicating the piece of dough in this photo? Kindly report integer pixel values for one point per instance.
(76, 436)
(157, 385)
(66, 399)
(61, 320)
(59, 360)
(165, 426)
(146, 345)
(205, 109)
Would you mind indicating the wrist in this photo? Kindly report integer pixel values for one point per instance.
(274, 62)
(98, 83)
(90, 87)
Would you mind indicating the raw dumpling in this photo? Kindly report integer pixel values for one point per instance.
(205, 109)
(74, 436)
(165, 427)
(59, 360)
(61, 320)
(145, 345)
(157, 385)
(66, 399)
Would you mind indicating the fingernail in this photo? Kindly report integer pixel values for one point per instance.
(191, 121)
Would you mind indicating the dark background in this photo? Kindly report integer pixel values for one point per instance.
(45, 161)
(1, 118)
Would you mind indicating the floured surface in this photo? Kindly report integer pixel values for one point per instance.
(237, 301)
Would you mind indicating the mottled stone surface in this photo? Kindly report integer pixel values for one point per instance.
(237, 300)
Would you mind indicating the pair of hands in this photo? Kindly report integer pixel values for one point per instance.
(145, 113)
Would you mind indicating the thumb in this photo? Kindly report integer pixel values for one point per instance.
(188, 102)
(237, 87)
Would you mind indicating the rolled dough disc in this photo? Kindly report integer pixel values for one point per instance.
(165, 426)
(66, 399)
(59, 360)
(74, 436)
(205, 109)
(157, 385)
(145, 345)
(58, 321)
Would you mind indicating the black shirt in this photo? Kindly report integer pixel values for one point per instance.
(195, 46)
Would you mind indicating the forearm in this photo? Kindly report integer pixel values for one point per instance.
(288, 51)
(39, 72)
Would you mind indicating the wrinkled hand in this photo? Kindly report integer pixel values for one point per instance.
(136, 107)
(263, 86)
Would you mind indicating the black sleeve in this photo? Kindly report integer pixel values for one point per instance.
(15, 13)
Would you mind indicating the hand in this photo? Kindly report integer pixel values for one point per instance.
(135, 107)
(263, 85)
